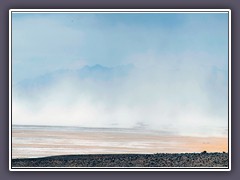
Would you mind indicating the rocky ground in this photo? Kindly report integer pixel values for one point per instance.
(128, 160)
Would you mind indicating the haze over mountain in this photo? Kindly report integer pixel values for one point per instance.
(93, 73)
(99, 96)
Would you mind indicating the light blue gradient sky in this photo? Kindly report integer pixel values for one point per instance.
(180, 68)
(46, 42)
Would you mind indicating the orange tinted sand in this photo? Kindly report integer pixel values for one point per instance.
(39, 143)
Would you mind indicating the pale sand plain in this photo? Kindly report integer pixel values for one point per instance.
(28, 142)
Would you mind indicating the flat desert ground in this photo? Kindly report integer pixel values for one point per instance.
(44, 141)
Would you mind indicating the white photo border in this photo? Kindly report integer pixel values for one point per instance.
(120, 11)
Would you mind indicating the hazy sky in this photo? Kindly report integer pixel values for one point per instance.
(178, 80)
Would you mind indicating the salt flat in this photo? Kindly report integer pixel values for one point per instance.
(42, 141)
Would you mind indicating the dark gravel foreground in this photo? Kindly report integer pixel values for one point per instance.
(128, 160)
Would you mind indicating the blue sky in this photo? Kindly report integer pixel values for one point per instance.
(45, 42)
(179, 79)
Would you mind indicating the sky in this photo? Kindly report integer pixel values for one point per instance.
(177, 80)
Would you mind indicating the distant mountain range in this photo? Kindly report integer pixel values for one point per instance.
(95, 73)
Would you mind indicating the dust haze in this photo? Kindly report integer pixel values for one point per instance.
(185, 94)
